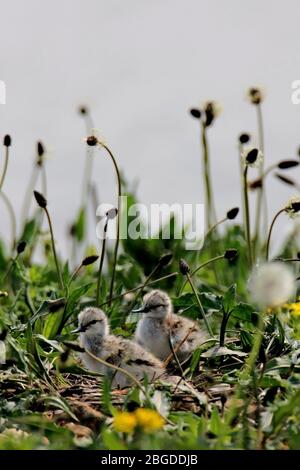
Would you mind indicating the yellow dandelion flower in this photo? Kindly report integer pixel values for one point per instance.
(294, 308)
(125, 422)
(149, 420)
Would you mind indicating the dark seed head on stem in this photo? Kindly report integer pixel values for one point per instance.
(83, 110)
(232, 213)
(40, 199)
(295, 207)
(92, 141)
(40, 149)
(195, 113)
(244, 138)
(230, 254)
(165, 259)
(21, 247)
(89, 260)
(286, 180)
(184, 267)
(286, 164)
(252, 156)
(56, 305)
(255, 95)
(7, 141)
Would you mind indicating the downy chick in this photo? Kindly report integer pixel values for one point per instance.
(95, 338)
(158, 324)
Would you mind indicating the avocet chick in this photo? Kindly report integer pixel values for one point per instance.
(95, 338)
(159, 324)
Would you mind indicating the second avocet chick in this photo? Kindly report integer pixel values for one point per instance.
(159, 326)
(96, 339)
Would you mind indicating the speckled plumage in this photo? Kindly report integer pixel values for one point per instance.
(158, 324)
(118, 351)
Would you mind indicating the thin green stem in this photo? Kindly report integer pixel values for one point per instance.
(215, 226)
(4, 168)
(54, 250)
(207, 324)
(139, 287)
(270, 232)
(247, 218)
(223, 327)
(209, 209)
(212, 260)
(28, 195)
(242, 182)
(117, 219)
(88, 164)
(260, 195)
(116, 368)
(247, 370)
(12, 217)
(101, 265)
(75, 272)
(146, 282)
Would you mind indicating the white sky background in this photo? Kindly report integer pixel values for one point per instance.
(140, 65)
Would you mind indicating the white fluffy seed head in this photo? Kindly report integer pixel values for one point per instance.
(272, 284)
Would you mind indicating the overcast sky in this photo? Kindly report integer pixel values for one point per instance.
(140, 65)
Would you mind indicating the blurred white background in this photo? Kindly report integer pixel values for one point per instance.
(140, 65)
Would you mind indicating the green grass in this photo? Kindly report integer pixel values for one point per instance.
(47, 401)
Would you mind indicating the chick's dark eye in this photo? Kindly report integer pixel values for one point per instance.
(92, 322)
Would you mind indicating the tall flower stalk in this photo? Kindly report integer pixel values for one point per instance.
(292, 208)
(92, 141)
(244, 138)
(256, 97)
(6, 144)
(10, 209)
(88, 164)
(41, 201)
(185, 270)
(252, 158)
(206, 117)
(38, 167)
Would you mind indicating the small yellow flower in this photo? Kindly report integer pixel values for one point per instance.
(294, 308)
(149, 420)
(125, 422)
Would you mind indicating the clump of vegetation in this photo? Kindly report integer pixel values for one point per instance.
(245, 378)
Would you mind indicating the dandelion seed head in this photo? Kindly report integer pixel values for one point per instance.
(272, 284)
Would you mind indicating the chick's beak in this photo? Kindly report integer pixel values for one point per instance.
(139, 310)
(77, 330)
